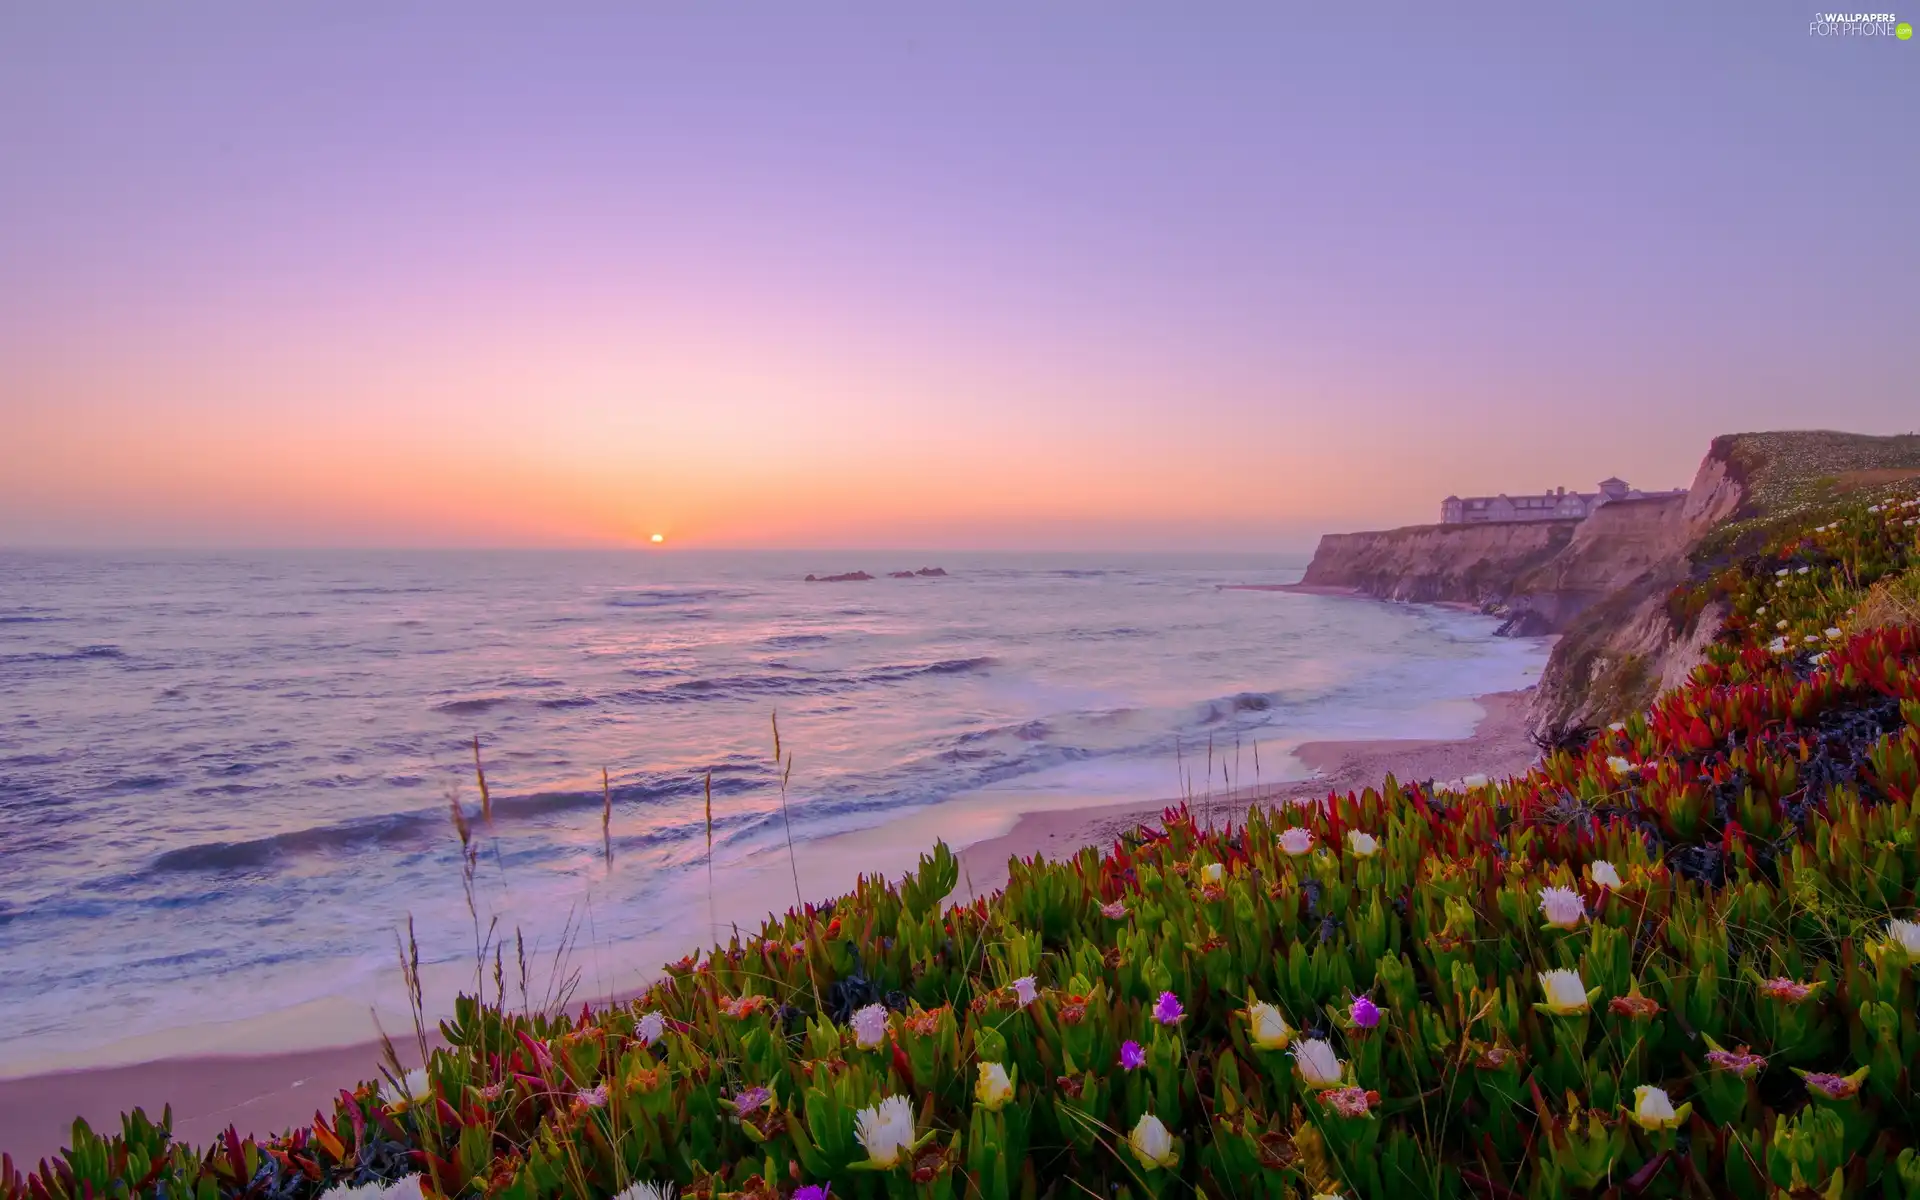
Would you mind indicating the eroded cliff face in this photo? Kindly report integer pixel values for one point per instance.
(1602, 583)
(1472, 564)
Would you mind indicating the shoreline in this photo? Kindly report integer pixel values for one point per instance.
(268, 1092)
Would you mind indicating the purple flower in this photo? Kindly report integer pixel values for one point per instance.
(1132, 1057)
(1364, 1012)
(813, 1191)
(751, 1099)
(1168, 1011)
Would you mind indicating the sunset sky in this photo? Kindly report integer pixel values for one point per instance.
(1056, 275)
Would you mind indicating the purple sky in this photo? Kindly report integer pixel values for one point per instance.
(1060, 275)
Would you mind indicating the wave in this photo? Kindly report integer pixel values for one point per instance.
(666, 597)
(376, 590)
(792, 641)
(467, 708)
(423, 826)
(82, 654)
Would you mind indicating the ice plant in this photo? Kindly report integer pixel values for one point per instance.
(1565, 991)
(1562, 906)
(994, 1088)
(1782, 988)
(1906, 935)
(1152, 1144)
(1619, 766)
(1833, 1087)
(1267, 1028)
(1025, 990)
(1167, 1009)
(1318, 1064)
(1740, 1062)
(1363, 1012)
(885, 1130)
(1603, 874)
(1212, 873)
(870, 1026)
(1365, 845)
(1653, 1109)
(813, 1191)
(646, 1191)
(1349, 1101)
(1297, 841)
(1116, 911)
(407, 1187)
(649, 1028)
(751, 1099)
(414, 1087)
(1132, 1056)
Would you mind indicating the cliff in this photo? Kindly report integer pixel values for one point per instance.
(1604, 583)
(1474, 564)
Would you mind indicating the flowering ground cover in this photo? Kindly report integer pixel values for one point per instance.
(1677, 959)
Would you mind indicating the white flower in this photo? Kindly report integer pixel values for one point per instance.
(1811, 638)
(1803, 570)
(1778, 645)
(1296, 840)
(1363, 844)
(650, 1028)
(1562, 906)
(1269, 1029)
(1604, 874)
(1317, 1063)
(1565, 991)
(994, 1088)
(1781, 573)
(407, 1187)
(1820, 658)
(647, 1191)
(1211, 873)
(1151, 1143)
(1873, 508)
(1025, 990)
(1618, 727)
(1761, 611)
(1653, 1108)
(1444, 786)
(1833, 633)
(1780, 625)
(870, 1026)
(1907, 934)
(414, 1087)
(1473, 781)
(886, 1130)
(1619, 766)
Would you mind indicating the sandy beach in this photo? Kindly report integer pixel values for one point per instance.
(268, 1092)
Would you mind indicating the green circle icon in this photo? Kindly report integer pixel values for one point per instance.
(1903, 31)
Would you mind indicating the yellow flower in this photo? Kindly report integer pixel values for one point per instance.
(1268, 1028)
(995, 1088)
(1152, 1144)
(1566, 992)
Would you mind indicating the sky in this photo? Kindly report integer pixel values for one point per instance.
(1072, 275)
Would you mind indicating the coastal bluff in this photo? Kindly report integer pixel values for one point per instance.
(1603, 583)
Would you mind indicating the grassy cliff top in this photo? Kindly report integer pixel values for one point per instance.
(1793, 477)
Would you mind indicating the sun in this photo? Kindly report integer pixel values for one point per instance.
(657, 538)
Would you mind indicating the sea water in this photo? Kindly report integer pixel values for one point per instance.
(226, 780)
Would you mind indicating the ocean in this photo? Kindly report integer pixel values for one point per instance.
(225, 780)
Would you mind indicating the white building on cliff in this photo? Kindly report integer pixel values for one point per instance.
(1558, 505)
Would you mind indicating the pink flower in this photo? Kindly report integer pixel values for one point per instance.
(1364, 1012)
(1782, 988)
(1740, 1062)
(813, 1191)
(1167, 1010)
(1833, 1087)
(594, 1098)
(1115, 911)
(1132, 1057)
(1348, 1101)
